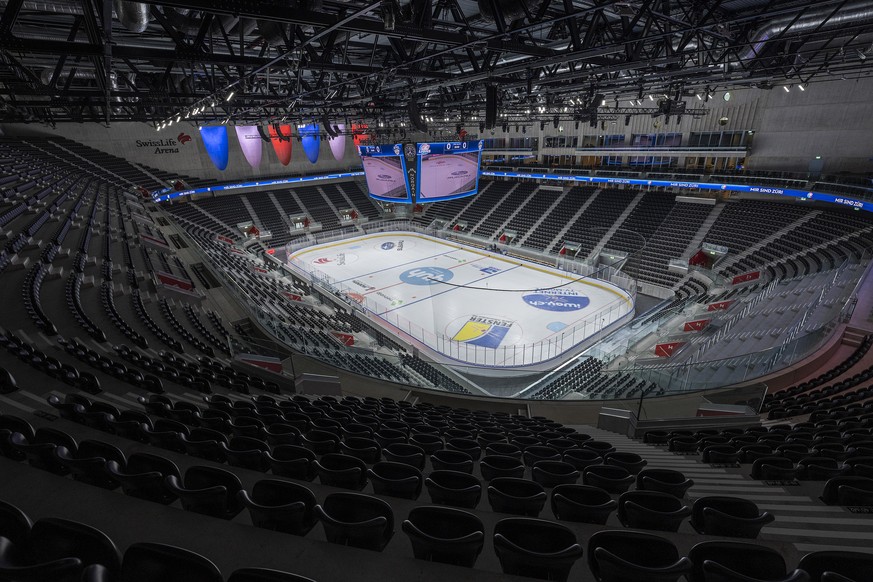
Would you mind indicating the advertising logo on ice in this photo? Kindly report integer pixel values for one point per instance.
(426, 275)
(564, 300)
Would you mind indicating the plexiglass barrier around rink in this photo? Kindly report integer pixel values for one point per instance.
(572, 338)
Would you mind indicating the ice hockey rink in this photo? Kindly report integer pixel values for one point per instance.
(466, 305)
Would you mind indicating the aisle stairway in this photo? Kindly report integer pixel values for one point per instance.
(802, 519)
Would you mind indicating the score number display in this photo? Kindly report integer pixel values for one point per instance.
(447, 170)
(385, 172)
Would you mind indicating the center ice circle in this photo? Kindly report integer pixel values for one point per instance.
(426, 275)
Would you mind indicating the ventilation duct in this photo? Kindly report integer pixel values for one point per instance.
(275, 33)
(188, 22)
(134, 16)
(854, 12)
(53, 6)
(510, 9)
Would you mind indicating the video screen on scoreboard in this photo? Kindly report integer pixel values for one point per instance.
(385, 171)
(445, 171)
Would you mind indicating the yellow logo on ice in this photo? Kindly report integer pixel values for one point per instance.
(471, 330)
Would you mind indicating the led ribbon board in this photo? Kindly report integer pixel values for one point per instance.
(385, 170)
(445, 171)
(215, 141)
(791, 193)
(164, 196)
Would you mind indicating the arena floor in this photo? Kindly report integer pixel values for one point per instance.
(469, 306)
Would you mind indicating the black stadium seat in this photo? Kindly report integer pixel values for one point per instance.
(728, 516)
(150, 562)
(281, 506)
(516, 496)
(357, 520)
(625, 556)
(535, 548)
(740, 562)
(208, 490)
(582, 503)
(444, 534)
(57, 550)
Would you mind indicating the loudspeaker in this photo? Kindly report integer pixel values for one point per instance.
(414, 117)
(490, 106)
(331, 130)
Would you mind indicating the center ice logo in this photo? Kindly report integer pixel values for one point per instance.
(426, 276)
(387, 246)
(556, 301)
(460, 173)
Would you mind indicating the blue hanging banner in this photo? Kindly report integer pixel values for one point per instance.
(311, 141)
(215, 140)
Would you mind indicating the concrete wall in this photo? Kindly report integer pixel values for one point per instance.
(140, 143)
(833, 120)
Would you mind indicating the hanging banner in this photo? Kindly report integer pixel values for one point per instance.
(719, 305)
(338, 143)
(250, 143)
(311, 140)
(215, 141)
(281, 143)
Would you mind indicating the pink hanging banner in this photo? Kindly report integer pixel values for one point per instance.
(281, 143)
(338, 143)
(250, 143)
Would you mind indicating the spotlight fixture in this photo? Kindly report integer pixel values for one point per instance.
(801, 87)
(699, 98)
(178, 118)
(229, 96)
(787, 90)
